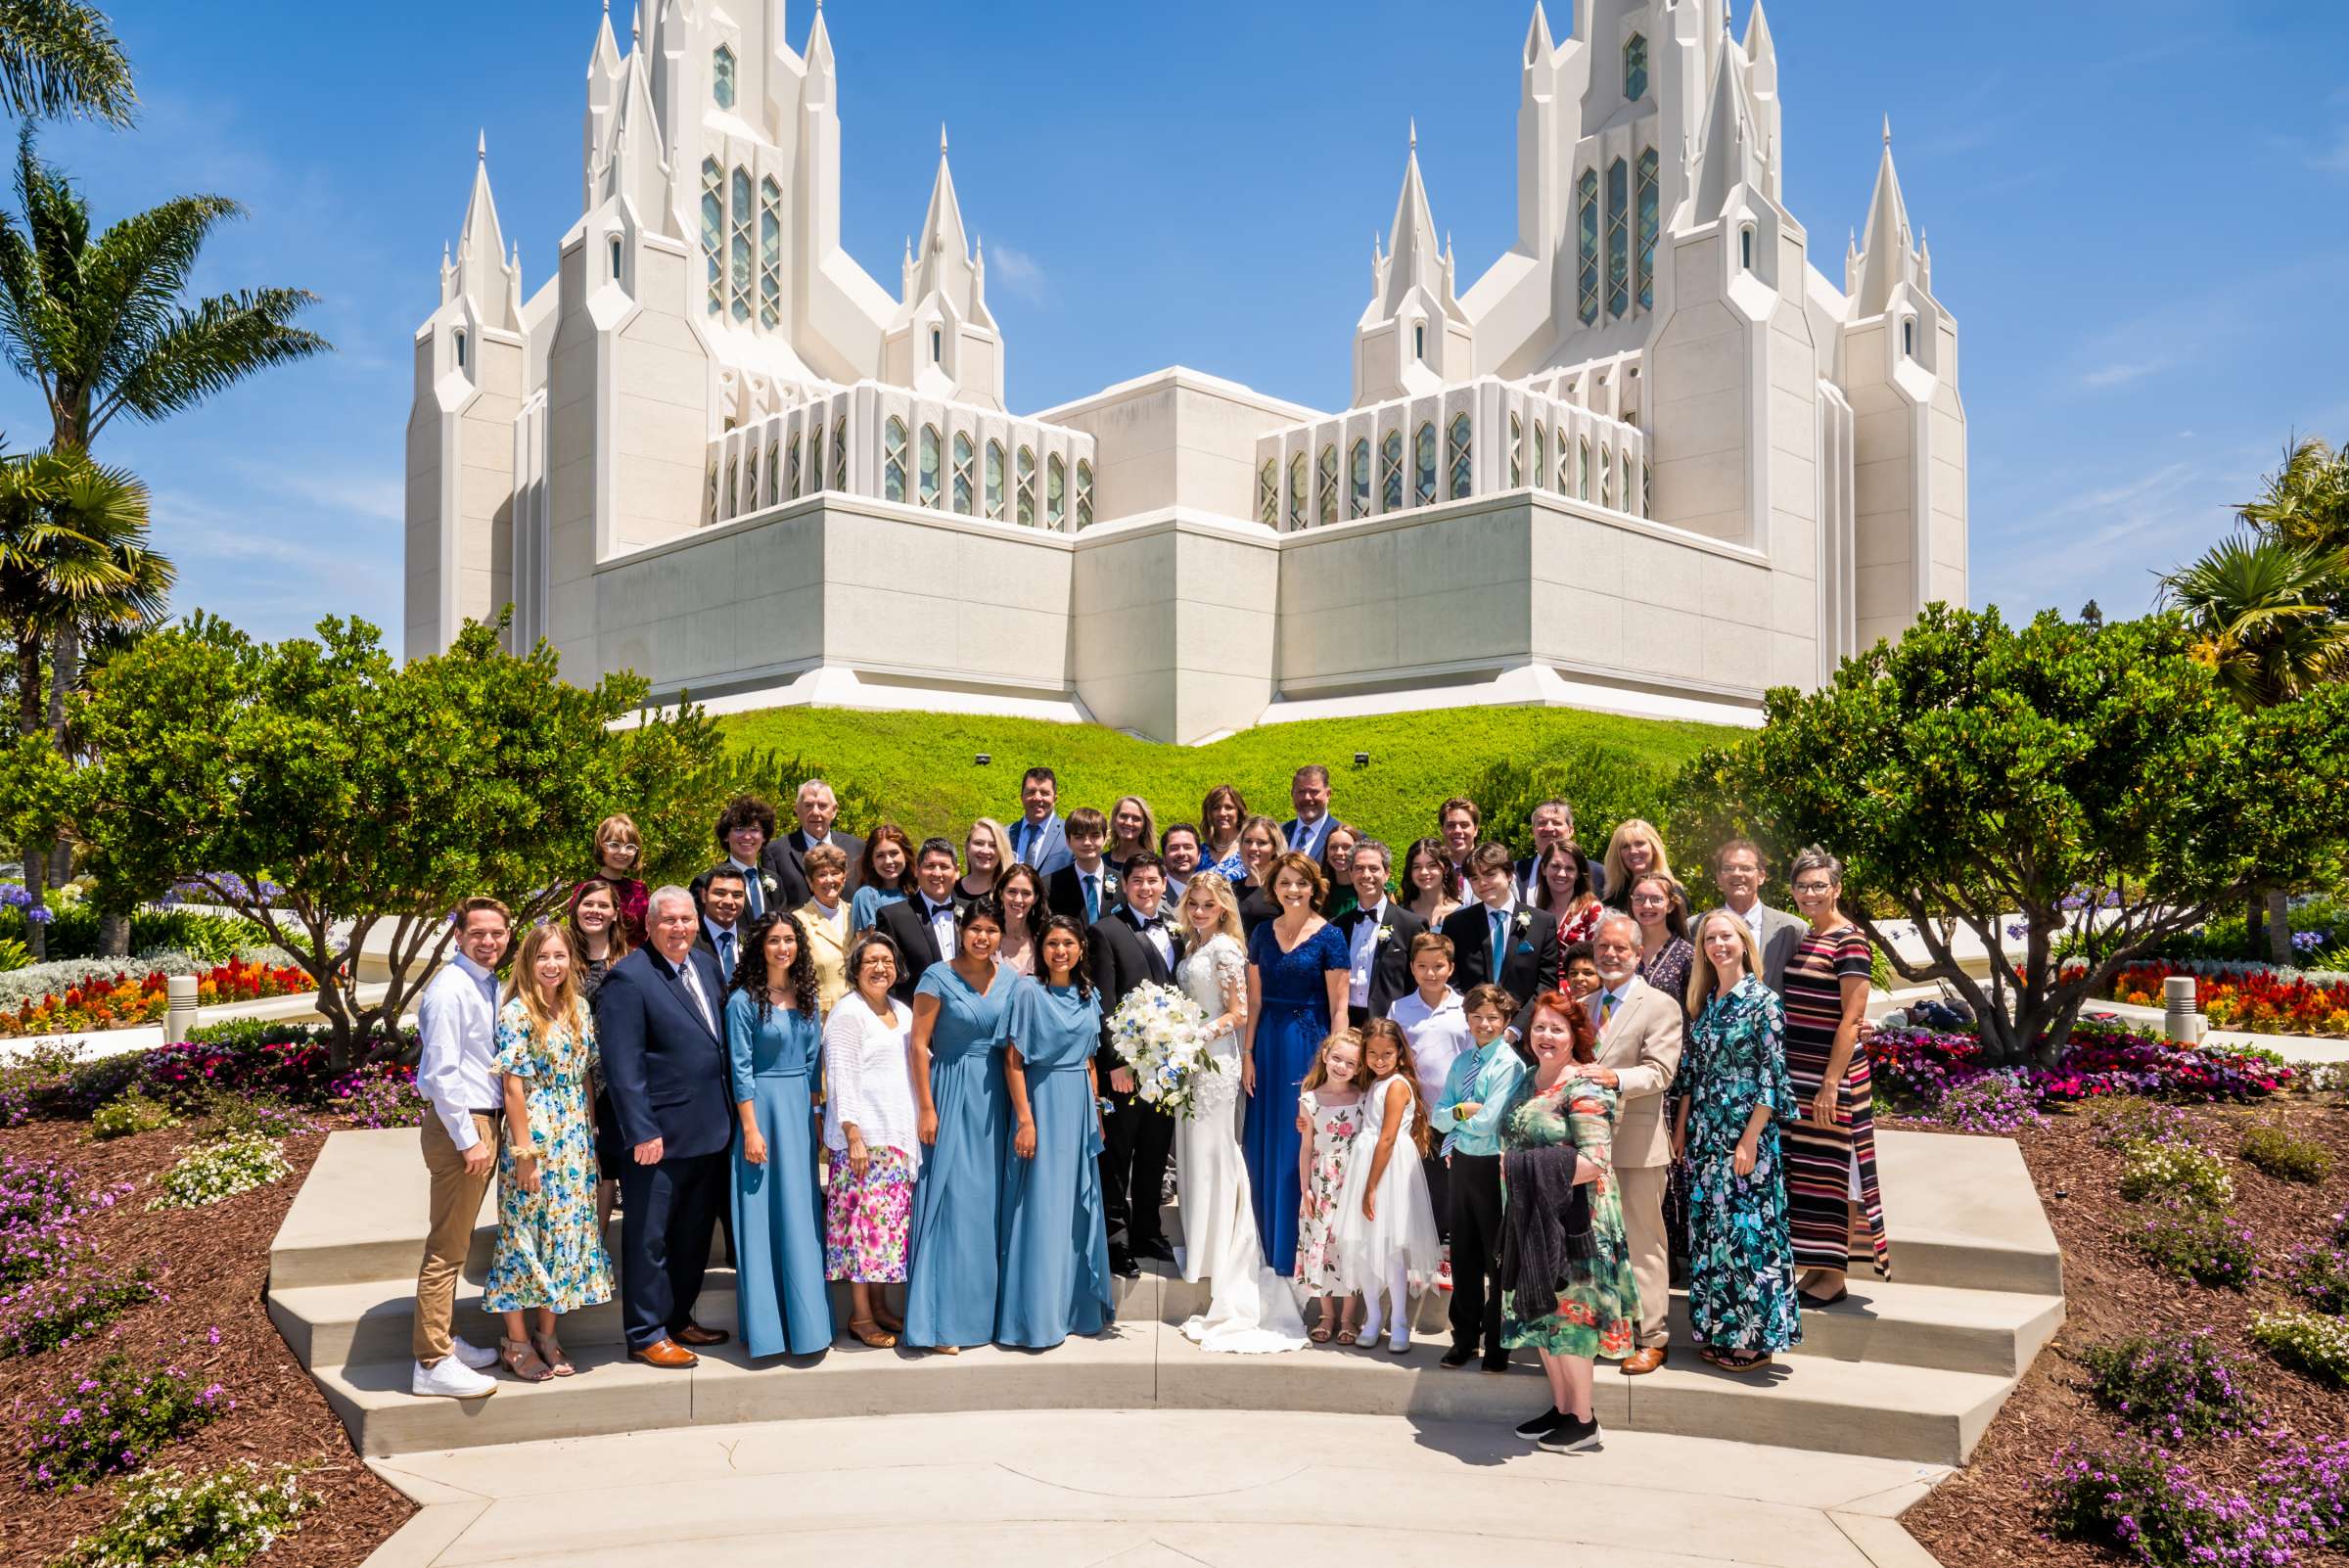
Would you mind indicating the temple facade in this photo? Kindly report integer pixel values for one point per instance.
(1651, 460)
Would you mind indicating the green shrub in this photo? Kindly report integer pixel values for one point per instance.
(2286, 1155)
(216, 1520)
(87, 1426)
(2129, 1121)
(2183, 1174)
(2203, 1245)
(213, 1172)
(2176, 1388)
(130, 1114)
(13, 954)
(249, 1114)
(2307, 1342)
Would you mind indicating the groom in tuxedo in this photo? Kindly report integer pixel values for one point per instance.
(1133, 944)
(665, 1062)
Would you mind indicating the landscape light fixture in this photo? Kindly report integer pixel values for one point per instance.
(982, 760)
(1362, 759)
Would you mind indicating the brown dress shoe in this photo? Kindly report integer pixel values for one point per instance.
(696, 1334)
(666, 1353)
(1646, 1358)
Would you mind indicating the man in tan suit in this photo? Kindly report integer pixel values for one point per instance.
(1639, 1052)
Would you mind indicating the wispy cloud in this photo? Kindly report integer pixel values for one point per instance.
(1019, 272)
(2123, 372)
(381, 497)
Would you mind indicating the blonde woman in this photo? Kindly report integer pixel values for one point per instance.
(986, 856)
(550, 1254)
(1132, 828)
(1250, 1310)
(1634, 850)
(1260, 843)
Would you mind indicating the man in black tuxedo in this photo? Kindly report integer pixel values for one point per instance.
(1130, 945)
(1087, 887)
(1500, 938)
(816, 807)
(723, 894)
(922, 924)
(1378, 935)
(664, 1043)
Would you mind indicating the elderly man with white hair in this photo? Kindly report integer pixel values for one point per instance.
(1639, 1052)
(660, 1015)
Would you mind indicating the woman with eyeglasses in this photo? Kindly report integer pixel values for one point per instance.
(618, 857)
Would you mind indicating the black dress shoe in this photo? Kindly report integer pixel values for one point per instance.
(1121, 1264)
(1457, 1356)
(1158, 1247)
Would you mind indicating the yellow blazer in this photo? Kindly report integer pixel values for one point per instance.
(828, 946)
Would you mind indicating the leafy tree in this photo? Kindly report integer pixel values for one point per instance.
(59, 57)
(2098, 783)
(102, 327)
(372, 795)
(1607, 784)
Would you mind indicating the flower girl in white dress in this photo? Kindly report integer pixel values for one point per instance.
(1250, 1309)
(1386, 1226)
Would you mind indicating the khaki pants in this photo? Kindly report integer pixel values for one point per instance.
(1643, 1193)
(456, 1204)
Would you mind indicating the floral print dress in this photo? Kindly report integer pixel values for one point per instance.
(550, 1252)
(1740, 1245)
(1598, 1303)
(1336, 1127)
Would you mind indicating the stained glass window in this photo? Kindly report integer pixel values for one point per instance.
(1541, 453)
(892, 460)
(1565, 457)
(1424, 451)
(1635, 67)
(1268, 493)
(964, 489)
(995, 478)
(1647, 229)
(1084, 493)
(792, 492)
(1357, 504)
(713, 230)
(1390, 472)
(1457, 450)
(721, 76)
(774, 470)
(1582, 488)
(1056, 492)
(815, 455)
(1606, 477)
(1618, 238)
(1516, 451)
(741, 248)
(1296, 497)
(1586, 200)
(840, 452)
(750, 478)
(770, 253)
(733, 497)
(1025, 474)
(929, 465)
(1326, 480)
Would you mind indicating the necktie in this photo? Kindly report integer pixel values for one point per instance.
(1606, 1008)
(1092, 901)
(757, 898)
(1500, 920)
(725, 955)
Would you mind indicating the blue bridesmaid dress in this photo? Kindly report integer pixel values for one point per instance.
(1292, 1023)
(781, 1302)
(957, 1242)
(1055, 1238)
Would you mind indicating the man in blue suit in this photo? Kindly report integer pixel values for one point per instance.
(660, 1013)
(1039, 838)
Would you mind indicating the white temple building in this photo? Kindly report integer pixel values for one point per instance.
(1652, 460)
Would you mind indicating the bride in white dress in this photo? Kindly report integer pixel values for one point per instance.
(1250, 1309)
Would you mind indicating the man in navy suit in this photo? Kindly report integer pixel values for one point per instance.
(1039, 838)
(1308, 832)
(663, 1035)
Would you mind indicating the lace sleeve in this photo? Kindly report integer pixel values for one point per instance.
(1232, 980)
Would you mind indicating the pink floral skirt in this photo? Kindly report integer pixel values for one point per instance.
(867, 1218)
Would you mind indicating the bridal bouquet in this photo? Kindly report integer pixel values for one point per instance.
(1162, 1035)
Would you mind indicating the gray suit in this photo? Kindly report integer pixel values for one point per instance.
(1781, 934)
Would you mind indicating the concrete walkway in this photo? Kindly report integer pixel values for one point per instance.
(1149, 1489)
(2309, 1049)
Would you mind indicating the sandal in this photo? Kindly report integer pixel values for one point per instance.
(552, 1355)
(521, 1361)
(890, 1322)
(1348, 1336)
(1742, 1362)
(1320, 1334)
(871, 1333)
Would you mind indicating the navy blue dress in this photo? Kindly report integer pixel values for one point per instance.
(957, 1244)
(780, 1300)
(1293, 1020)
(1055, 1238)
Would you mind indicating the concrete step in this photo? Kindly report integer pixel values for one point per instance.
(1993, 1332)
(1918, 1414)
(1963, 1212)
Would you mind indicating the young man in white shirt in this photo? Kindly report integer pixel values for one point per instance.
(1432, 1019)
(457, 1075)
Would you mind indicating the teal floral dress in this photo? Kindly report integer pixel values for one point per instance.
(549, 1251)
(1740, 1246)
(1599, 1305)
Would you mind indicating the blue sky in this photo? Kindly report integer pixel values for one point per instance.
(2139, 213)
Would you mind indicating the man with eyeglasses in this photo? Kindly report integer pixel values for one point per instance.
(1638, 1053)
(1737, 872)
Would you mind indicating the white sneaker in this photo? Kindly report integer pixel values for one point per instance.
(450, 1378)
(472, 1355)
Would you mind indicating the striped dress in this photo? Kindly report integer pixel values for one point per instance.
(1820, 1161)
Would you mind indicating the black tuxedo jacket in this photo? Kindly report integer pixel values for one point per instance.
(1064, 892)
(663, 1058)
(782, 855)
(1391, 958)
(1529, 966)
(1122, 959)
(907, 924)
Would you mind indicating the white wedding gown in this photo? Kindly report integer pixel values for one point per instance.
(1250, 1309)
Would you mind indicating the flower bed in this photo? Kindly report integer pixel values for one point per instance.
(124, 1000)
(2252, 998)
(1922, 1065)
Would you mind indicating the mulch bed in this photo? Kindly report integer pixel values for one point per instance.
(1990, 1513)
(213, 1265)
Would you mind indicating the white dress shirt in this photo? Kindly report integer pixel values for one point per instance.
(1437, 1036)
(1365, 956)
(1311, 835)
(692, 977)
(720, 939)
(754, 895)
(940, 917)
(1753, 921)
(1154, 932)
(456, 1069)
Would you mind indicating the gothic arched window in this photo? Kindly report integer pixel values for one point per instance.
(1582, 488)
(1565, 458)
(1297, 495)
(792, 493)
(1645, 262)
(892, 460)
(1084, 493)
(1458, 452)
(1516, 451)
(1357, 502)
(1540, 454)
(1025, 507)
(840, 452)
(964, 489)
(1056, 492)
(1745, 247)
(721, 76)
(1909, 337)
(741, 248)
(1390, 472)
(1635, 67)
(714, 231)
(1586, 224)
(995, 478)
(815, 454)
(1326, 480)
(929, 465)
(775, 476)
(1423, 487)
(1268, 493)
(1618, 238)
(770, 254)
(1606, 477)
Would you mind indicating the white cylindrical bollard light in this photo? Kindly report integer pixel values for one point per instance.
(2180, 1021)
(181, 1014)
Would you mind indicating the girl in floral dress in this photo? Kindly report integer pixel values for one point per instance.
(1329, 1119)
(550, 1251)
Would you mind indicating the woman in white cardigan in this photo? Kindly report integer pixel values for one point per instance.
(871, 1148)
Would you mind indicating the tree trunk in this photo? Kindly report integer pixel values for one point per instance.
(2254, 912)
(2280, 927)
(28, 722)
(114, 935)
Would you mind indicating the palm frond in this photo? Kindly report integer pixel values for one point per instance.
(59, 57)
(209, 348)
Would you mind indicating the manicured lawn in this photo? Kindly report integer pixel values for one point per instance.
(920, 765)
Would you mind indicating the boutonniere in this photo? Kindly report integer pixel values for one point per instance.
(766, 880)
(1524, 921)
(1385, 934)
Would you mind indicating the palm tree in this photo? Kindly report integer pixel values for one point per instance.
(75, 564)
(2306, 502)
(59, 57)
(101, 326)
(2262, 610)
